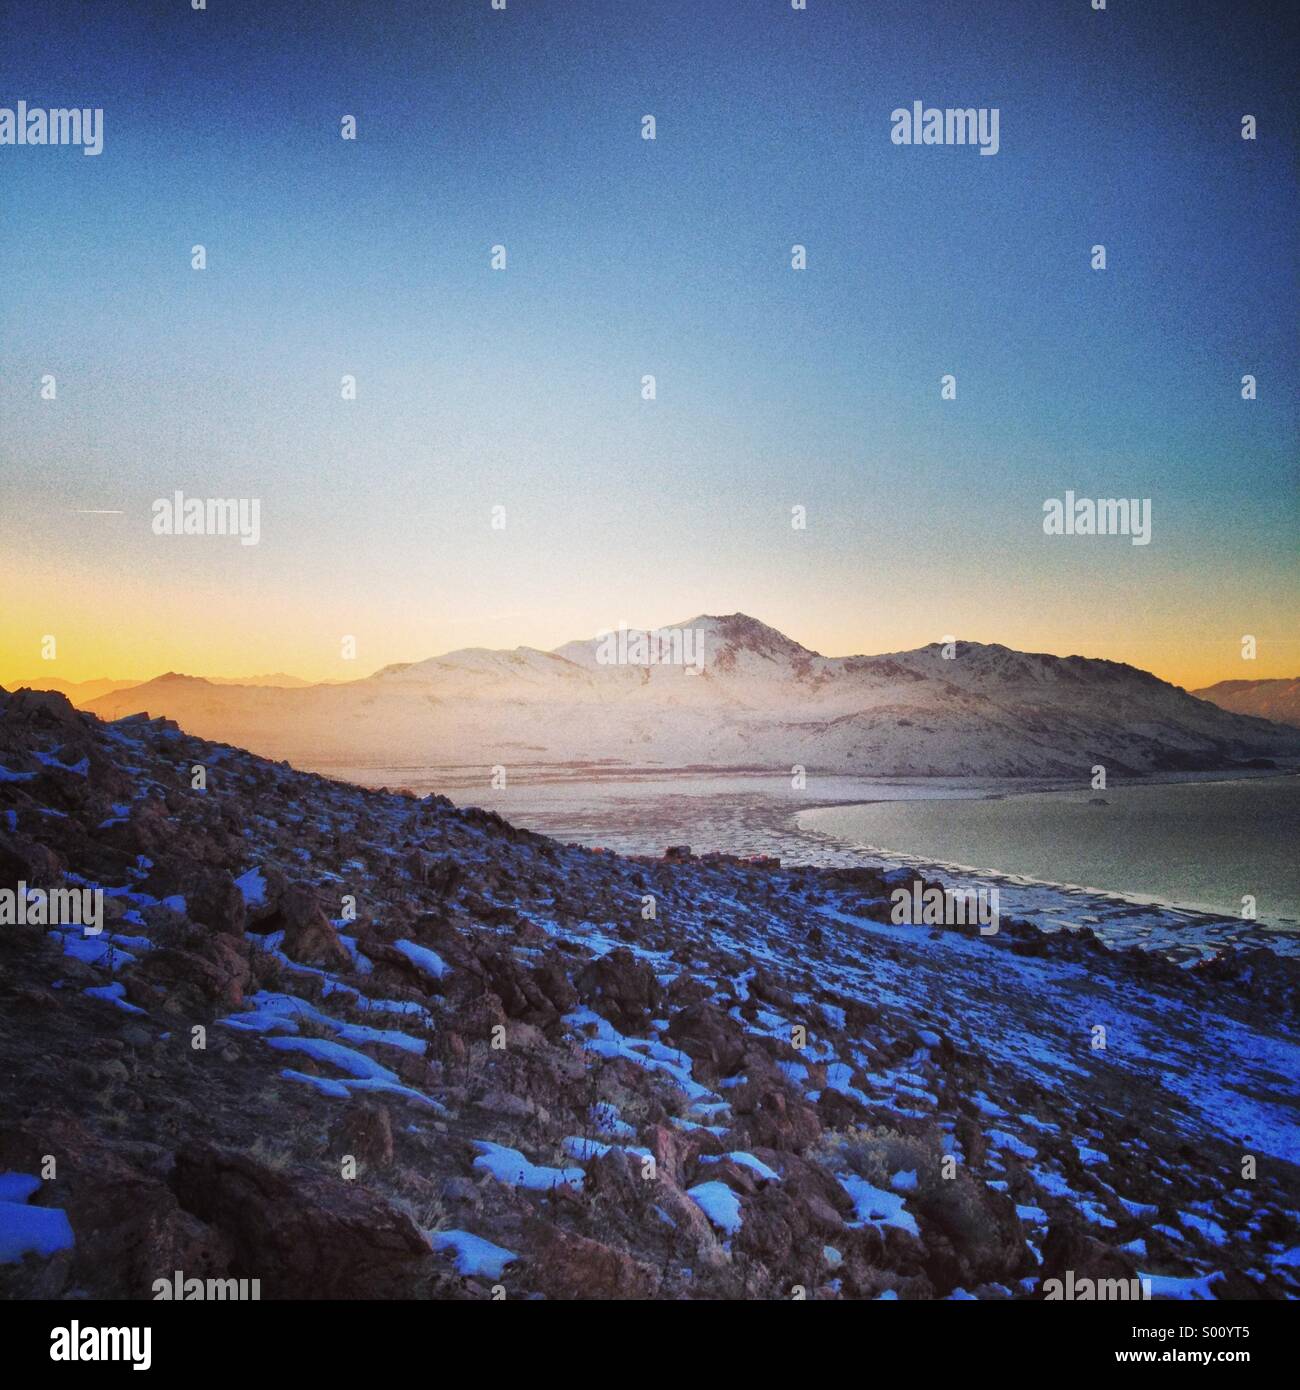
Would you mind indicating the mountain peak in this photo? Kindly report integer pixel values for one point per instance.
(739, 632)
(726, 690)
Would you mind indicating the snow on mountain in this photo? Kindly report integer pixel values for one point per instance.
(281, 678)
(730, 692)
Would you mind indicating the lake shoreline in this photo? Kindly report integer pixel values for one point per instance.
(752, 813)
(882, 839)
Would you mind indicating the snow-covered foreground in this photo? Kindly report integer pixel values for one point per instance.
(365, 1044)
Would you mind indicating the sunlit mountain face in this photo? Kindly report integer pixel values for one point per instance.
(728, 691)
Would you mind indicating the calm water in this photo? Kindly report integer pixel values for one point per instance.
(1200, 845)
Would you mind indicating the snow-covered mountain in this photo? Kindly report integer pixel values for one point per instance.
(730, 692)
(1278, 699)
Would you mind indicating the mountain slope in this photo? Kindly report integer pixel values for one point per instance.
(1278, 700)
(744, 695)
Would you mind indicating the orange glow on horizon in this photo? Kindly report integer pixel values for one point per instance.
(214, 634)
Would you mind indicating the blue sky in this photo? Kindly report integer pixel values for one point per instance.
(521, 388)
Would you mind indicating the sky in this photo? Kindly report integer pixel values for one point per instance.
(521, 388)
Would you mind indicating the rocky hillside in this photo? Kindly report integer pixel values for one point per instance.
(1278, 700)
(745, 696)
(355, 1044)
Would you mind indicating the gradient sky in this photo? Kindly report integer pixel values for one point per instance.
(522, 388)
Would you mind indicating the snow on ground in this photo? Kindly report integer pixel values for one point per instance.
(719, 1203)
(422, 956)
(474, 1255)
(512, 1168)
(28, 1230)
(746, 1160)
(253, 886)
(877, 1207)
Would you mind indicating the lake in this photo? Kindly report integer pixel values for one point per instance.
(1201, 845)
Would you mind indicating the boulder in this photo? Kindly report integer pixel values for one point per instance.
(712, 1039)
(1068, 1246)
(567, 1266)
(775, 1118)
(621, 987)
(366, 1132)
(302, 1233)
(309, 936)
(216, 902)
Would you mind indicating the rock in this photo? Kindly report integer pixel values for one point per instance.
(303, 1234)
(621, 987)
(711, 1038)
(972, 1234)
(566, 1266)
(216, 902)
(309, 936)
(1068, 1246)
(774, 1117)
(366, 1132)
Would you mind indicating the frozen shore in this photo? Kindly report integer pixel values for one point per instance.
(757, 813)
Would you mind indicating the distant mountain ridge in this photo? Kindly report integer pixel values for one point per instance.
(81, 693)
(754, 698)
(1277, 699)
